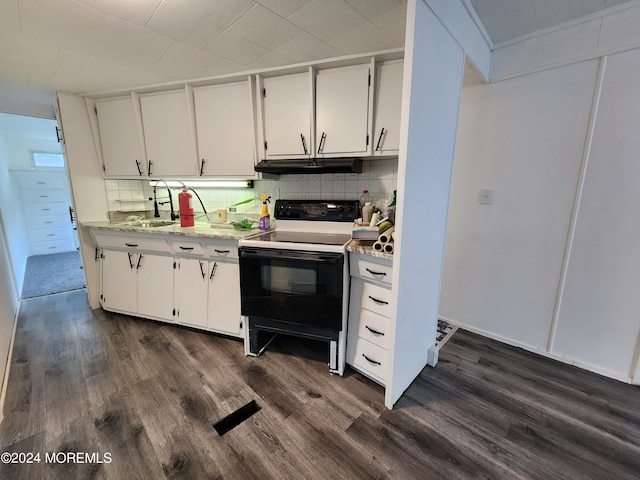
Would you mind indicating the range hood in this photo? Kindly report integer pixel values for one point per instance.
(310, 165)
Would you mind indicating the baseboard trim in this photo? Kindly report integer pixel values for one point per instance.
(7, 370)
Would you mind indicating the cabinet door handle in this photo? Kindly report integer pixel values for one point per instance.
(131, 244)
(71, 217)
(139, 260)
(322, 139)
(139, 169)
(130, 262)
(304, 144)
(202, 167)
(221, 251)
(149, 168)
(186, 248)
(371, 361)
(378, 301)
(372, 272)
(213, 270)
(373, 331)
(204, 275)
(379, 140)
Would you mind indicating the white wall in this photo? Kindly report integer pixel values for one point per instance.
(526, 138)
(8, 310)
(15, 225)
(87, 186)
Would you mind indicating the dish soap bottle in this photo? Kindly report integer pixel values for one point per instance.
(265, 219)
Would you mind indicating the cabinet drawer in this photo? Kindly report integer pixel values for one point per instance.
(223, 249)
(185, 247)
(376, 299)
(43, 196)
(372, 327)
(123, 242)
(370, 359)
(48, 208)
(41, 180)
(49, 234)
(55, 246)
(49, 221)
(371, 270)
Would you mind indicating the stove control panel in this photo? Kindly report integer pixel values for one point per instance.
(321, 210)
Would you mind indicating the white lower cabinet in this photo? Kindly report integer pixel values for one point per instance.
(370, 310)
(207, 295)
(137, 283)
(195, 283)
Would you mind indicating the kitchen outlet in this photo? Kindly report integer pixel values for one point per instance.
(486, 196)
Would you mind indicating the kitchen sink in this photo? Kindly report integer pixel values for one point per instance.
(150, 223)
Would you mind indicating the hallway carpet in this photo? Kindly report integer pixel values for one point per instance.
(55, 273)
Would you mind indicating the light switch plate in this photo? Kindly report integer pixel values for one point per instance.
(486, 196)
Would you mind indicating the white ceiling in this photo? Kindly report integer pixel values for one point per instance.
(506, 20)
(83, 46)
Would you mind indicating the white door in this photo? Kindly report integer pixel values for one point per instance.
(167, 134)
(386, 124)
(191, 286)
(155, 286)
(224, 298)
(342, 111)
(286, 104)
(224, 126)
(119, 281)
(122, 148)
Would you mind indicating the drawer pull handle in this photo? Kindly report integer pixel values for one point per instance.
(378, 301)
(373, 331)
(221, 251)
(51, 234)
(44, 196)
(45, 209)
(372, 272)
(186, 248)
(49, 221)
(131, 244)
(371, 361)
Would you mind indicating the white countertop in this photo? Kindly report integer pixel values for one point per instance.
(204, 229)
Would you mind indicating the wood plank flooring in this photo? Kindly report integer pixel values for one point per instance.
(148, 394)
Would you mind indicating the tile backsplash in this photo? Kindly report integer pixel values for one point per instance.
(378, 176)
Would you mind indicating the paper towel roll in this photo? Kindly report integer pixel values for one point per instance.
(388, 247)
(379, 246)
(386, 235)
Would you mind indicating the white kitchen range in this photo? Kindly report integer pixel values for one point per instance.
(295, 280)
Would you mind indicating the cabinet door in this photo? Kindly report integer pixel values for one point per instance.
(119, 281)
(168, 134)
(122, 148)
(191, 284)
(286, 104)
(342, 111)
(386, 125)
(224, 298)
(155, 286)
(224, 127)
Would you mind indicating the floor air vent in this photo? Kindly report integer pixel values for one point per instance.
(236, 418)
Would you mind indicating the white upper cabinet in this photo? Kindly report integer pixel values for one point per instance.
(286, 107)
(342, 111)
(388, 103)
(168, 134)
(122, 147)
(225, 129)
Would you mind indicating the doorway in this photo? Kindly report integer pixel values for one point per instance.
(35, 200)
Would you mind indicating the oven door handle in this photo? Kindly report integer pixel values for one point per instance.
(325, 257)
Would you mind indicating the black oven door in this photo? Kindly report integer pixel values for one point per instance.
(299, 287)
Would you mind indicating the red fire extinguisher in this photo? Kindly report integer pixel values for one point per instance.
(186, 209)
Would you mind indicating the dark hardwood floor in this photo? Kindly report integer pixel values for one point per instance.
(148, 394)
